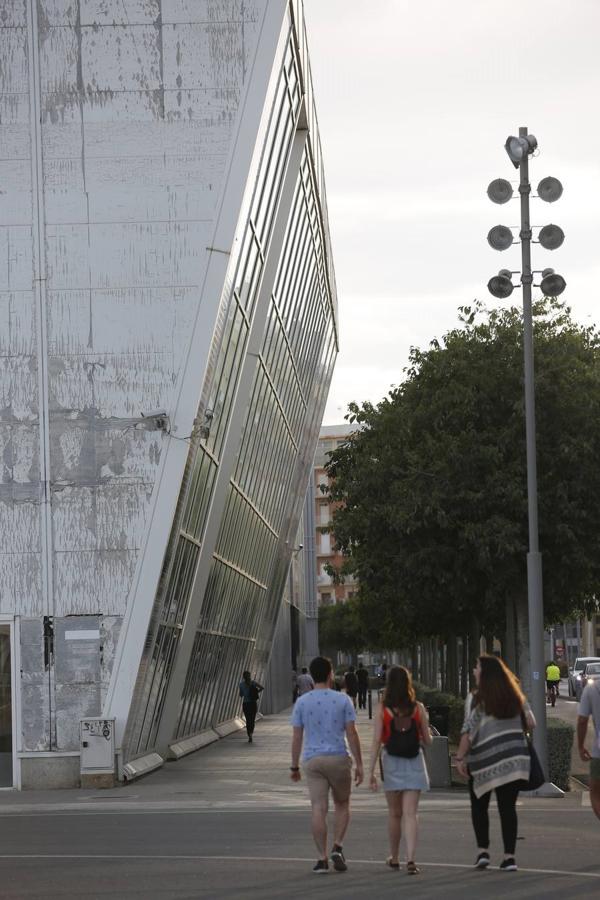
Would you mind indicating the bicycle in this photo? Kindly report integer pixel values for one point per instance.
(552, 694)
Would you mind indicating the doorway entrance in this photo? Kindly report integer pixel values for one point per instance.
(6, 711)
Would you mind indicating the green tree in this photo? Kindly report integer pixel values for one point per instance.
(433, 484)
(340, 629)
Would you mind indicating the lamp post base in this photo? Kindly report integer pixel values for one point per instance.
(548, 790)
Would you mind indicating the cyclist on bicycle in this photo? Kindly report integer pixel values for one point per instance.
(552, 681)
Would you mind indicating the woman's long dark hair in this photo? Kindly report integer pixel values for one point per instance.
(399, 690)
(499, 692)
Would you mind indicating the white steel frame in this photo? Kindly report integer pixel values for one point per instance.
(243, 161)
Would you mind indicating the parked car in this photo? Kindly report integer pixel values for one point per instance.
(575, 672)
(590, 673)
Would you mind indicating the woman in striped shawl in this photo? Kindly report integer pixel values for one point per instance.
(494, 748)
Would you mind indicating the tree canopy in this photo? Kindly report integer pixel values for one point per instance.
(433, 487)
(340, 629)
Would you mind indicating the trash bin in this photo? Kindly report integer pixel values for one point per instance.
(439, 717)
(437, 756)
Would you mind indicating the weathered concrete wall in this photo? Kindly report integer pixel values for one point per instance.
(116, 120)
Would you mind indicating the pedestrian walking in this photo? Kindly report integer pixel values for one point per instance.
(589, 705)
(324, 722)
(305, 682)
(493, 751)
(250, 691)
(401, 727)
(351, 684)
(362, 676)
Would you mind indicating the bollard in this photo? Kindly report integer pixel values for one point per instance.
(370, 702)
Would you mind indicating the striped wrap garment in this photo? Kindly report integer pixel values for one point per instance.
(499, 752)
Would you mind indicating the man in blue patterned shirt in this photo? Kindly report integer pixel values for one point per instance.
(325, 721)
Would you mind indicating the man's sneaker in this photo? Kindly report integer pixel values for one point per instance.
(482, 861)
(321, 866)
(338, 859)
(508, 865)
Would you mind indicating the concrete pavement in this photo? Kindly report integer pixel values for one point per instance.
(228, 822)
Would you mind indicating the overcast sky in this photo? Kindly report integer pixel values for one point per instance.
(415, 101)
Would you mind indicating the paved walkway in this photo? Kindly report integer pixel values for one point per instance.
(228, 774)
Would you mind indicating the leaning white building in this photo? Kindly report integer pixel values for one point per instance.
(167, 337)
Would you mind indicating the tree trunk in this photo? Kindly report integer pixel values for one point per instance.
(474, 649)
(414, 663)
(429, 662)
(451, 684)
(523, 660)
(426, 662)
(509, 644)
(464, 669)
(444, 665)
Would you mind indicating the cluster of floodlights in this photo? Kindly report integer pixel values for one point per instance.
(501, 238)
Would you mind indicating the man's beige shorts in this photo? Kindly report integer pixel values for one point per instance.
(325, 773)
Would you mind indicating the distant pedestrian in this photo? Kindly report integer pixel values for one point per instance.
(305, 682)
(494, 747)
(589, 705)
(294, 685)
(401, 728)
(362, 676)
(351, 684)
(324, 721)
(250, 692)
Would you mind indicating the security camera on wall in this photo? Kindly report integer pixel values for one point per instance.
(158, 419)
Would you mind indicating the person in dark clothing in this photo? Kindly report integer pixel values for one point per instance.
(351, 684)
(250, 692)
(362, 676)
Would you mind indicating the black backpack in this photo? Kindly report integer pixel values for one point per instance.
(404, 736)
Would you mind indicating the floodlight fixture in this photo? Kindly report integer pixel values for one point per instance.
(549, 189)
(551, 237)
(500, 237)
(500, 285)
(518, 148)
(500, 190)
(552, 284)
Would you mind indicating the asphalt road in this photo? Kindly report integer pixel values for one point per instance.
(268, 853)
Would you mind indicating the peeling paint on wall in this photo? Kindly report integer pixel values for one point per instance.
(138, 100)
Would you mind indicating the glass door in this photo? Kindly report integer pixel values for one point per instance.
(6, 741)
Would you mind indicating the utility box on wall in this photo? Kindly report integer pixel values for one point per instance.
(97, 748)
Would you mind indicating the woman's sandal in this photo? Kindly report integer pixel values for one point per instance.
(390, 862)
(412, 869)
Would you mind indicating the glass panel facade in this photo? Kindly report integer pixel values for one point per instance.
(264, 502)
(265, 493)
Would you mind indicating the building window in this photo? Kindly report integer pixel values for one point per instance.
(326, 599)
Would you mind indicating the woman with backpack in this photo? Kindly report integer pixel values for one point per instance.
(249, 692)
(401, 728)
(493, 752)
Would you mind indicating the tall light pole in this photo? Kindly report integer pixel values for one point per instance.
(500, 191)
